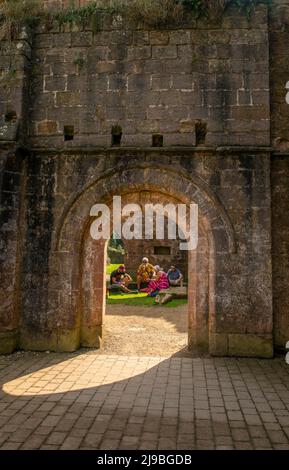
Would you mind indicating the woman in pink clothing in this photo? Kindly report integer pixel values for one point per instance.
(159, 282)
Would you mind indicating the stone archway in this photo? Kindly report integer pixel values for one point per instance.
(80, 319)
(93, 272)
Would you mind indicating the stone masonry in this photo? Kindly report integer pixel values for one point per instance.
(64, 92)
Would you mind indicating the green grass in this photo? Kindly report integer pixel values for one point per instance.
(111, 267)
(141, 300)
(138, 300)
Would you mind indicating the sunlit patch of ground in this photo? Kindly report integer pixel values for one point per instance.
(146, 330)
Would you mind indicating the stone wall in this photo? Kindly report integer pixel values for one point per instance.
(279, 73)
(280, 247)
(14, 62)
(240, 182)
(279, 77)
(150, 81)
(137, 249)
(11, 227)
(15, 68)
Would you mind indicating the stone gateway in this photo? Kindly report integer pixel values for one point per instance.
(176, 115)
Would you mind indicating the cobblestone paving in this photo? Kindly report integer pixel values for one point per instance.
(87, 400)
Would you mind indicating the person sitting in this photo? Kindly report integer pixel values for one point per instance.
(158, 283)
(120, 279)
(145, 273)
(175, 276)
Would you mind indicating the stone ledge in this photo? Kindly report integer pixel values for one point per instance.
(159, 150)
(277, 153)
(241, 345)
(250, 345)
(59, 341)
(8, 341)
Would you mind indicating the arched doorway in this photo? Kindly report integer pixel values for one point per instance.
(81, 317)
(121, 315)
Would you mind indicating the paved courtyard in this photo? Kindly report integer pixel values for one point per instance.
(88, 400)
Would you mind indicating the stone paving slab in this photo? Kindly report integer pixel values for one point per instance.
(87, 400)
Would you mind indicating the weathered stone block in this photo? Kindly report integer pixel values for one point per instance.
(81, 38)
(161, 82)
(250, 345)
(61, 68)
(182, 81)
(47, 127)
(92, 337)
(164, 52)
(117, 113)
(187, 125)
(140, 38)
(261, 98)
(157, 112)
(43, 40)
(249, 112)
(67, 98)
(168, 98)
(139, 52)
(180, 37)
(245, 97)
(139, 82)
(117, 82)
(116, 52)
(121, 37)
(8, 341)
(158, 37)
(219, 344)
(62, 40)
(102, 38)
(54, 83)
(64, 340)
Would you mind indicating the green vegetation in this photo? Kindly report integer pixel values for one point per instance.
(154, 13)
(215, 8)
(111, 267)
(90, 13)
(79, 61)
(16, 13)
(248, 5)
(141, 300)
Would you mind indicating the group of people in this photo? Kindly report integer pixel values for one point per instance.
(150, 279)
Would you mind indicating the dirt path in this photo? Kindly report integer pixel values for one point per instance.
(146, 331)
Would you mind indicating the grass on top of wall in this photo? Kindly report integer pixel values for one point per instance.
(154, 13)
(16, 13)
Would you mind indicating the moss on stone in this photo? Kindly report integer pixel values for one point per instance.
(61, 341)
(8, 342)
(92, 337)
(250, 345)
(219, 344)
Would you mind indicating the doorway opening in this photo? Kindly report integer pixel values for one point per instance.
(187, 323)
(140, 322)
